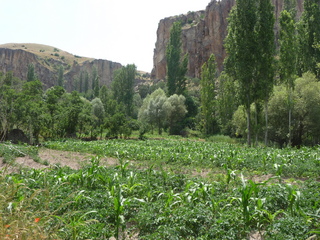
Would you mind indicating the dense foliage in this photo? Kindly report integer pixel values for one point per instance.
(246, 101)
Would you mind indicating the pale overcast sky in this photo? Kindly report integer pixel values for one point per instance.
(120, 31)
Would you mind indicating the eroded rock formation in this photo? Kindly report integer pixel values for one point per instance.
(17, 60)
(203, 33)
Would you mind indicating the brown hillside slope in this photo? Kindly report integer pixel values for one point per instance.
(47, 60)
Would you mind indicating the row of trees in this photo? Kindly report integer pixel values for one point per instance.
(257, 66)
(268, 91)
(55, 113)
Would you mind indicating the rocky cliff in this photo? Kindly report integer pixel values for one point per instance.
(203, 33)
(47, 60)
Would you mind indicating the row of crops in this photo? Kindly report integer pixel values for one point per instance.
(288, 162)
(153, 202)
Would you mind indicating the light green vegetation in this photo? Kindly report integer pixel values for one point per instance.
(153, 202)
(304, 162)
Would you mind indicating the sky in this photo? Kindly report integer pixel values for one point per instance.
(121, 31)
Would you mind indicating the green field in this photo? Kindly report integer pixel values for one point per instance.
(163, 189)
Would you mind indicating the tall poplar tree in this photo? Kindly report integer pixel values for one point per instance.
(123, 86)
(208, 95)
(60, 76)
(86, 82)
(309, 37)
(81, 84)
(177, 65)
(95, 82)
(241, 47)
(249, 45)
(288, 59)
(31, 75)
(265, 58)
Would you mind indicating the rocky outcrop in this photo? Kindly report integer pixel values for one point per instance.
(46, 67)
(18, 61)
(201, 38)
(104, 68)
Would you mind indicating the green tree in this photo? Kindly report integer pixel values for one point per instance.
(98, 114)
(176, 110)
(95, 82)
(226, 103)
(86, 82)
(105, 96)
(8, 96)
(8, 79)
(69, 116)
(31, 108)
(109, 104)
(250, 48)
(288, 59)
(31, 75)
(265, 60)
(123, 87)
(153, 111)
(81, 82)
(118, 124)
(241, 46)
(144, 90)
(85, 119)
(208, 96)
(278, 115)
(60, 76)
(137, 103)
(52, 98)
(308, 91)
(309, 38)
(177, 66)
(305, 105)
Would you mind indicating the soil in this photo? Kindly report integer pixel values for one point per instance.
(51, 157)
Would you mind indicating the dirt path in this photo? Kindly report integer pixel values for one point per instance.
(51, 157)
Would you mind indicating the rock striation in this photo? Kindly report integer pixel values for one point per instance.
(47, 60)
(203, 33)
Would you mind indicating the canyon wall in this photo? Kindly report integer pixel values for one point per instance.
(203, 33)
(46, 67)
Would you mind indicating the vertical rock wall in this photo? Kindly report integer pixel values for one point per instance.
(202, 38)
(17, 61)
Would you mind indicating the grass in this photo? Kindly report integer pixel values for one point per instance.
(153, 202)
(9, 152)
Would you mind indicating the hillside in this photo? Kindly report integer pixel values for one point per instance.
(47, 52)
(47, 60)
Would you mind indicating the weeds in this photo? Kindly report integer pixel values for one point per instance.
(98, 202)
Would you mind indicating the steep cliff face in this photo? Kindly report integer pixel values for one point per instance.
(202, 38)
(104, 68)
(47, 60)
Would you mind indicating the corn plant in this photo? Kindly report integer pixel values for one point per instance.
(119, 204)
(75, 224)
(293, 199)
(247, 191)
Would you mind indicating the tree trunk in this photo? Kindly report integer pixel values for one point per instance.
(290, 116)
(256, 132)
(266, 119)
(159, 126)
(248, 126)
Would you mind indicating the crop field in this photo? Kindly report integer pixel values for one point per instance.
(158, 191)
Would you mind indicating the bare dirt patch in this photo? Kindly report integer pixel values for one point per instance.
(49, 158)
